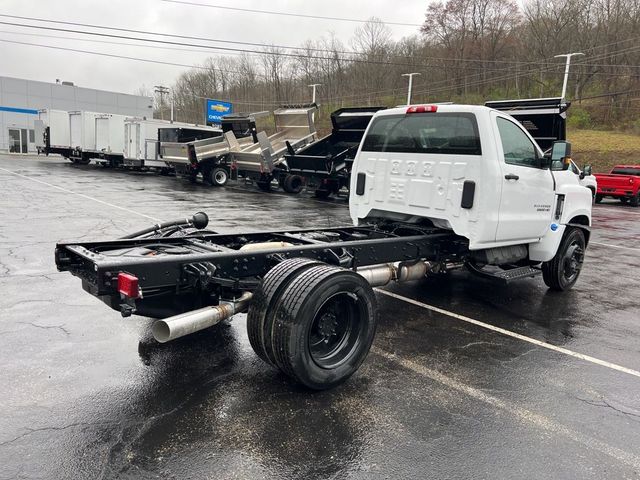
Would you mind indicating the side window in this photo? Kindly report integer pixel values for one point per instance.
(573, 167)
(518, 149)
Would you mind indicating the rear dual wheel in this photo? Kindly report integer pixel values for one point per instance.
(292, 184)
(313, 321)
(218, 177)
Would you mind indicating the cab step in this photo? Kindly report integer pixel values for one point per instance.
(506, 276)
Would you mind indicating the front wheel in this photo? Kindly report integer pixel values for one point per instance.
(562, 271)
(635, 200)
(598, 198)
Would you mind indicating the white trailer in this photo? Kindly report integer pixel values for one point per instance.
(52, 132)
(82, 129)
(109, 143)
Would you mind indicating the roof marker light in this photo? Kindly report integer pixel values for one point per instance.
(422, 109)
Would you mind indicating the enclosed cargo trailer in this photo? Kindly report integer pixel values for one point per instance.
(52, 132)
(82, 129)
(109, 144)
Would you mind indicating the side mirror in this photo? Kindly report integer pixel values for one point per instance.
(561, 154)
(587, 170)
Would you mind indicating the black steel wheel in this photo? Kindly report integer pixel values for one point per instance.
(218, 177)
(324, 326)
(563, 270)
(293, 184)
(598, 198)
(265, 301)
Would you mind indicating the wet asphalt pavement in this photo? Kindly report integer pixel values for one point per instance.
(87, 394)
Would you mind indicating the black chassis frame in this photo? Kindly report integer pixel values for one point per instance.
(215, 268)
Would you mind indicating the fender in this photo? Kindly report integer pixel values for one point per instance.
(577, 204)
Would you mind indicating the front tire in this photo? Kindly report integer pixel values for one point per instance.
(598, 198)
(562, 271)
(635, 200)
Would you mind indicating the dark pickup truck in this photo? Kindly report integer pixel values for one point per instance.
(326, 164)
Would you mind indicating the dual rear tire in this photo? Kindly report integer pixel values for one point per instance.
(313, 321)
(216, 176)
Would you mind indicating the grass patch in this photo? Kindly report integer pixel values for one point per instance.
(603, 150)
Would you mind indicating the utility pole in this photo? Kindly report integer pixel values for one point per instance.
(566, 70)
(313, 95)
(162, 91)
(410, 75)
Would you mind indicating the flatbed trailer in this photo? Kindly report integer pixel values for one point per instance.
(326, 164)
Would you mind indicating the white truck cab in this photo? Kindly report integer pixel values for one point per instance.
(470, 169)
(585, 177)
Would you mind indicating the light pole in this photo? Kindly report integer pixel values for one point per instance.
(159, 89)
(410, 75)
(566, 69)
(313, 95)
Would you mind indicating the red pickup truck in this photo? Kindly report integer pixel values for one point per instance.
(622, 183)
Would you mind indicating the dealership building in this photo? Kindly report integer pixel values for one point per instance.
(20, 101)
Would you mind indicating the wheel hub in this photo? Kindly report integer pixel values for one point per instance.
(573, 261)
(327, 326)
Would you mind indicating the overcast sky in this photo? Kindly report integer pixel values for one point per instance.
(37, 63)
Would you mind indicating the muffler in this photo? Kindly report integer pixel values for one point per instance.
(381, 275)
(196, 320)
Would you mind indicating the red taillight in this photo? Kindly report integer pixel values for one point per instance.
(422, 109)
(128, 285)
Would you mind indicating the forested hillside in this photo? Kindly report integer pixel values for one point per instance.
(466, 50)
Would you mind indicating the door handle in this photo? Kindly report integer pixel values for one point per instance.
(511, 176)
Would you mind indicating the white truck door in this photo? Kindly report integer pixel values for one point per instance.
(527, 190)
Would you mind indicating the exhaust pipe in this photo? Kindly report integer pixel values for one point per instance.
(196, 320)
(381, 275)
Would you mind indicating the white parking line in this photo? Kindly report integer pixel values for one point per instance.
(525, 416)
(80, 194)
(509, 333)
(614, 246)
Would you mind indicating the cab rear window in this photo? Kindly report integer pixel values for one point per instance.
(441, 133)
(626, 171)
